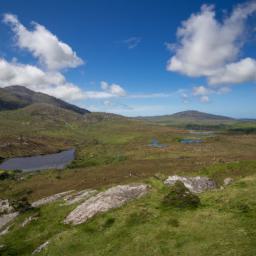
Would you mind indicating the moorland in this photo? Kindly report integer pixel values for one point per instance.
(113, 149)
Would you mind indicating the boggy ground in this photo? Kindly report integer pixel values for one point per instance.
(109, 150)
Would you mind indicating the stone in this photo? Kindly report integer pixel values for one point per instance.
(196, 184)
(40, 248)
(5, 206)
(28, 220)
(104, 201)
(50, 199)
(6, 218)
(227, 181)
(79, 196)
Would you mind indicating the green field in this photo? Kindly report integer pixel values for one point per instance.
(112, 150)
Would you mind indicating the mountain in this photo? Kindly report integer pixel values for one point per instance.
(190, 117)
(197, 115)
(15, 97)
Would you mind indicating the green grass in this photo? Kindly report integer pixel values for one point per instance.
(224, 224)
(113, 151)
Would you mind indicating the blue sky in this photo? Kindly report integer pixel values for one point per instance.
(147, 57)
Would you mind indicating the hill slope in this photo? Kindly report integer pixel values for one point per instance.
(190, 117)
(197, 115)
(15, 97)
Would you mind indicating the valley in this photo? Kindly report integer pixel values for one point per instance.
(115, 150)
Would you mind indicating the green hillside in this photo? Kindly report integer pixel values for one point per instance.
(15, 97)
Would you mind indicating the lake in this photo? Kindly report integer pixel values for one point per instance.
(191, 141)
(41, 162)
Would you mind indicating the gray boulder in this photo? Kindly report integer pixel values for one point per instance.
(5, 206)
(6, 218)
(50, 199)
(194, 184)
(104, 201)
(79, 196)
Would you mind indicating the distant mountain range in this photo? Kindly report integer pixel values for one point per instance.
(16, 97)
(19, 97)
(189, 114)
(197, 115)
(192, 118)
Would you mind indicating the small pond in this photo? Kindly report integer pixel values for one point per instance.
(155, 144)
(41, 162)
(191, 141)
(202, 133)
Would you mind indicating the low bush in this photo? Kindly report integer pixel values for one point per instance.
(181, 197)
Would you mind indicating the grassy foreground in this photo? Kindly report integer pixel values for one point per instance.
(224, 224)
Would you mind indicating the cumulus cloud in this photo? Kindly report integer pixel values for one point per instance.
(113, 89)
(54, 55)
(51, 52)
(210, 48)
(237, 72)
(52, 83)
(201, 91)
(204, 92)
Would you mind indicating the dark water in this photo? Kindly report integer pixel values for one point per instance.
(203, 133)
(191, 141)
(41, 162)
(155, 143)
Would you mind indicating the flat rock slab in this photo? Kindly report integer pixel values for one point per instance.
(79, 196)
(50, 199)
(104, 201)
(6, 218)
(194, 184)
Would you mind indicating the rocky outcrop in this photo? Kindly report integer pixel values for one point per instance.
(104, 201)
(79, 196)
(50, 199)
(7, 214)
(5, 206)
(40, 248)
(6, 218)
(28, 220)
(194, 184)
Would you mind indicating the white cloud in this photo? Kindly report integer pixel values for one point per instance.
(52, 83)
(132, 42)
(238, 72)
(201, 90)
(54, 55)
(211, 48)
(51, 52)
(113, 89)
(204, 92)
(204, 99)
(150, 95)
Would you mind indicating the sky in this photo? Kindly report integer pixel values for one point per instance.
(134, 57)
